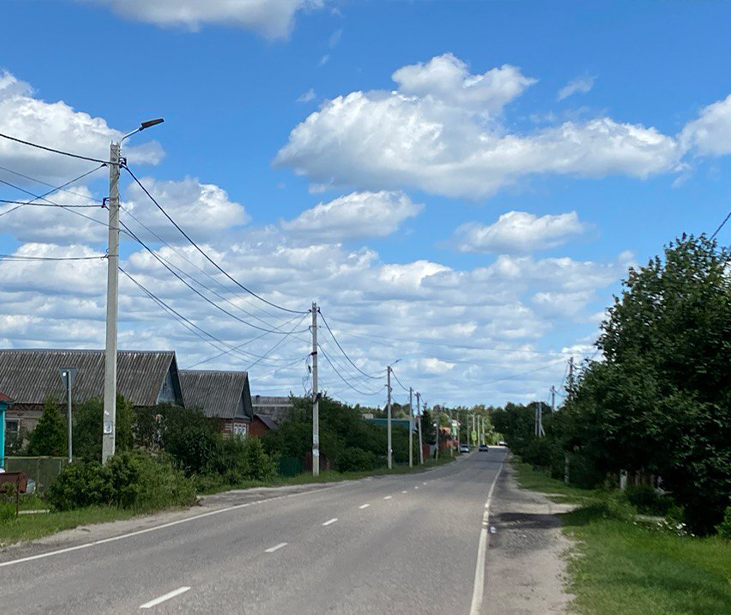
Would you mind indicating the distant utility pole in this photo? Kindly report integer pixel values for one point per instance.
(472, 436)
(418, 412)
(388, 410)
(553, 399)
(110, 352)
(436, 456)
(411, 427)
(315, 399)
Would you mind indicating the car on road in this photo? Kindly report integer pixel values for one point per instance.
(502, 443)
(464, 448)
(484, 447)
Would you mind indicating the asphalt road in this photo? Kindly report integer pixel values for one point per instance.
(398, 544)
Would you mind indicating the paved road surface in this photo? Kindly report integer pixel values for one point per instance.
(396, 544)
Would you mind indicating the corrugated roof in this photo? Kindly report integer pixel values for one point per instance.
(277, 408)
(218, 394)
(29, 376)
(267, 420)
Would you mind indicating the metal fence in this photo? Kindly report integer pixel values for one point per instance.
(290, 466)
(41, 470)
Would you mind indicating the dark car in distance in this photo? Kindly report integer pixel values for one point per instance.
(484, 447)
(464, 448)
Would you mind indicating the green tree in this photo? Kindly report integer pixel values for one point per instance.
(49, 436)
(660, 399)
(87, 421)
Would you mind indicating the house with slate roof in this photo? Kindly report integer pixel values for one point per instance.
(222, 396)
(29, 377)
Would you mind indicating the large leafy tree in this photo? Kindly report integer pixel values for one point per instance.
(661, 400)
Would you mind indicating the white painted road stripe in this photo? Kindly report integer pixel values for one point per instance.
(404, 492)
(330, 522)
(172, 594)
(364, 506)
(417, 486)
(388, 497)
(276, 547)
(162, 526)
(479, 586)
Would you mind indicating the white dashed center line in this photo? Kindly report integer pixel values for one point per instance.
(364, 506)
(172, 594)
(330, 522)
(388, 497)
(276, 547)
(404, 491)
(416, 487)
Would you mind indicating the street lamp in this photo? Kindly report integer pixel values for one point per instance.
(110, 352)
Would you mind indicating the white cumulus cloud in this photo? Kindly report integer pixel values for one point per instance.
(519, 231)
(356, 215)
(580, 85)
(710, 134)
(272, 18)
(433, 134)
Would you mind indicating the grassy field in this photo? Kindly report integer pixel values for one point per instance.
(32, 526)
(621, 567)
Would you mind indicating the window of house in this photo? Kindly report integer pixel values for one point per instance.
(240, 430)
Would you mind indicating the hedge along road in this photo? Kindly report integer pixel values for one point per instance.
(314, 552)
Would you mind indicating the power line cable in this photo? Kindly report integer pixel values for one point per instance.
(45, 183)
(17, 257)
(53, 150)
(64, 205)
(204, 272)
(196, 291)
(205, 255)
(345, 380)
(198, 331)
(337, 343)
(393, 373)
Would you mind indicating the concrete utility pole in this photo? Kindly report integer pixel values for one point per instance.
(388, 410)
(418, 412)
(474, 440)
(315, 399)
(553, 399)
(411, 427)
(436, 456)
(110, 352)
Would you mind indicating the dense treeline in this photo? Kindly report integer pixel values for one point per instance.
(659, 400)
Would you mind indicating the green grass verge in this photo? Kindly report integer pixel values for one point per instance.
(30, 527)
(633, 568)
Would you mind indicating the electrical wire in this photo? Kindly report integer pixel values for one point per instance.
(547, 365)
(17, 257)
(205, 255)
(53, 150)
(337, 343)
(279, 343)
(197, 292)
(45, 183)
(203, 271)
(64, 205)
(198, 331)
(345, 380)
(720, 226)
(213, 358)
(393, 373)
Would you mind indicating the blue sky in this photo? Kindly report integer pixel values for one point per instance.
(470, 128)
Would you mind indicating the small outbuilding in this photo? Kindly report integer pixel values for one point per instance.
(222, 396)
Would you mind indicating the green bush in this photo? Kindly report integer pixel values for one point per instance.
(647, 500)
(134, 480)
(259, 466)
(355, 460)
(238, 460)
(50, 435)
(724, 528)
(87, 420)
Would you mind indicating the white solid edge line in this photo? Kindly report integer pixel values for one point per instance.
(218, 511)
(479, 586)
(364, 506)
(172, 594)
(388, 497)
(276, 547)
(330, 522)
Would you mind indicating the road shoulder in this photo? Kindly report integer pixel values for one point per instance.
(526, 567)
